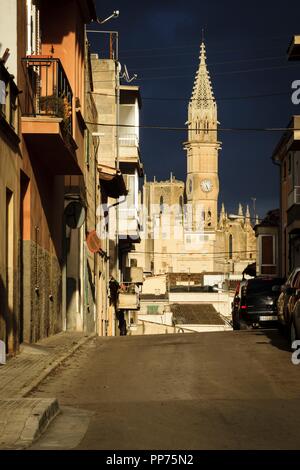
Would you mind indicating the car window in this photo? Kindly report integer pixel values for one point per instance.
(292, 277)
(259, 287)
(296, 283)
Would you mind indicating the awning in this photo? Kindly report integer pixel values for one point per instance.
(112, 181)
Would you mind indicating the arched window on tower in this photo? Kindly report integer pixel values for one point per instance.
(206, 126)
(230, 247)
(209, 218)
(161, 205)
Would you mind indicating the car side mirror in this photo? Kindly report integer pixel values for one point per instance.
(276, 289)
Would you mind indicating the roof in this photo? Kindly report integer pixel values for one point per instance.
(202, 96)
(290, 140)
(153, 297)
(271, 220)
(132, 90)
(294, 48)
(195, 314)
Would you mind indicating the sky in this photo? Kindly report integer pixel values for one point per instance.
(246, 44)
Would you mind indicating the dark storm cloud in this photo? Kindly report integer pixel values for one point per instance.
(165, 36)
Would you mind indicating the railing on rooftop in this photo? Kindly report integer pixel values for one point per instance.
(129, 140)
(294, 197)
(48, 92)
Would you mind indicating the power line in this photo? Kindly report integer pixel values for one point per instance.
(212, 64)
(196, 45)
(193, 252)
(229, 72)
(181, 129)
(232, 98)
(209, 64)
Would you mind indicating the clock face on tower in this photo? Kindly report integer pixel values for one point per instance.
(206, 186)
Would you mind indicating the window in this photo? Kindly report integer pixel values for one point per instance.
(8, 98)
(267, 250)
(230, 248)
(152, 309)
(290, 163)
(161, 204)
(2, 96)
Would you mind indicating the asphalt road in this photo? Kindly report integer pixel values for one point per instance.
(231, 390)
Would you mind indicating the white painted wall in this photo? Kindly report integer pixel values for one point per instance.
(221, 301)
(155, 285)
(8, 33)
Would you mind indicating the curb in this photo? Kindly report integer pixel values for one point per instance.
(27, 390)
(25, 420)
(38, 422)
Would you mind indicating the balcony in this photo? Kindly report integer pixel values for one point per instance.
(294, 197)
(293, 208)
(129, 140)
(47, 119)
(129, 224)
(129, 151)
(129, 298)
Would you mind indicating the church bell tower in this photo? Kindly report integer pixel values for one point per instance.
(202, 185)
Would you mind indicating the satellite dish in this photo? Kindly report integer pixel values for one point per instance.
(75, 214)
(93, 242)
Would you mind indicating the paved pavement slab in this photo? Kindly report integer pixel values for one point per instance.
(23, 420)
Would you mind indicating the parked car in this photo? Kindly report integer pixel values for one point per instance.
(235, 306)
(294, 333)
(258, 304)
(288, 306)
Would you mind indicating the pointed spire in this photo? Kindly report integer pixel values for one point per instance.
(248, 216)
(241, 212)
(202, 96)
(222, 216)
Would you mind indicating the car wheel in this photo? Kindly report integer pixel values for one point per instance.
(282, 329)
(243, 326)
(293, 333)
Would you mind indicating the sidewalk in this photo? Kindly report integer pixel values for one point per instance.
(25, 371)
(23, 420)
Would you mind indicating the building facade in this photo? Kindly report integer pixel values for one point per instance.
(287, 157)
(43, 45)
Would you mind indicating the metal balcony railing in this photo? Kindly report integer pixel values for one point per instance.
(294, 197)
(48, 91)
(129, 140)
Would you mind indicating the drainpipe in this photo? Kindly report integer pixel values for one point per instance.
(279, 247)
(117, 148)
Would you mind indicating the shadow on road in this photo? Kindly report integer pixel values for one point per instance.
(275, 339)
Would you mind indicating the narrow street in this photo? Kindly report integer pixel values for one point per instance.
(233, 390)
